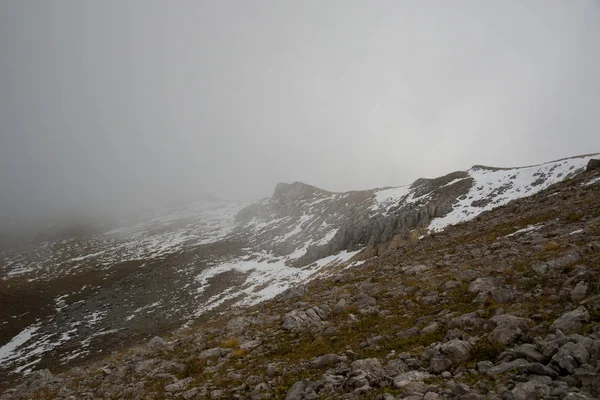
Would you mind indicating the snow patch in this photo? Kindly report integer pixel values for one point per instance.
(530, 228)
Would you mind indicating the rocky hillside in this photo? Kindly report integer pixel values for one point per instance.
(75, 299)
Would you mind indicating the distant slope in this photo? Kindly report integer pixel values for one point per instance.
(66, 300)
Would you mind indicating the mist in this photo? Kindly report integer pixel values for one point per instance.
(111, 107)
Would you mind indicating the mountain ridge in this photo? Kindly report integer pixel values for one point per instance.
(505, 305)
(101, 291)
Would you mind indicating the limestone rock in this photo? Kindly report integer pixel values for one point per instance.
(305, 319)
(509, 328)
(571, 321)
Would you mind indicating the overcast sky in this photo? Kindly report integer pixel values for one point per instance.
(116, 105)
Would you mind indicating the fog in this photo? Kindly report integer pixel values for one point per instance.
(108, 107)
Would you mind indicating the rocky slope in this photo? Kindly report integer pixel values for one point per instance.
(76, 299)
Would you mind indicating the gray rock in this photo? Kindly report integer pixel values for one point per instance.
(579, 291)
(413, 397)
(157, 343)
(431, 396)
(34, 381)
(340, 307)
(294, 293)
(179, 386)
(190, 394)
(214, 353)
(571, 321)
(301, 390)
(547, 347)
(531, 390)
(563, 261)
(305, 319)
(430, 328)
(375, 340)
(404, 379)
(449, 285)
(529, 352)
(509, 328)
(503, 295)
(326, 360)
(395, 367)
(540, 269)
(541, 370)
(456, 350)
(484, 284)
(237, 325)
(407, 333)
(357, 379)
(592, 165)
(467, 320)
(145, 365)
(250, 344)
(437, 365)
(484, 366)
(578, 396)
(363, 301)
(415, 269)
(518, 364)
(371, 366)
(570, 356)
(415, 387)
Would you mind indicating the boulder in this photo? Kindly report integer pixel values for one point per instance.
(214, 353)
(571, 321)
(157, 343)
(570, 356)
(592, 165)
(179, 386)
(509, 328)
(456, 350)
(404, 379)
(579, 291)
(484, 284)
(305, 319)
(519, 364)
(437, 365)
(529, 352)
(531, 390)
(471, 320)
(237, 325)
(326, 360)
(371, 366)
(301, 390)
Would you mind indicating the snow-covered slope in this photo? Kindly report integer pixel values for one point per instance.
(101, 291)
(494, 187)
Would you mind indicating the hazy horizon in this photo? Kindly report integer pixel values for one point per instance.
(107, 108)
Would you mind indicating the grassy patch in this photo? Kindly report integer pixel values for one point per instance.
(484, 350)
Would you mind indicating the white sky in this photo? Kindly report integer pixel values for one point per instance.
(109, 106)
